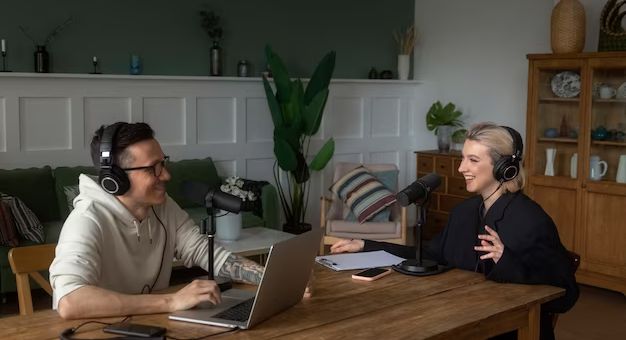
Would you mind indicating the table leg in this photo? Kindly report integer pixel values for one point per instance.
(531, 332)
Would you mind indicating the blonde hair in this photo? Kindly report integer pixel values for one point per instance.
(500, 143)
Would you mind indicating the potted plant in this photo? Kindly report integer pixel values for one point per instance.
(297, 115)
(228, 225)
(42, 58)
(442, 119)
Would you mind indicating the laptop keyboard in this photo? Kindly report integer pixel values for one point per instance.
(238, 312)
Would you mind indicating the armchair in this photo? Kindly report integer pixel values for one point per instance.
(334, 214)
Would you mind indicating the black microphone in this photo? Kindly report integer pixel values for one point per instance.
(419, 193)
(202, 194)
(419, 190)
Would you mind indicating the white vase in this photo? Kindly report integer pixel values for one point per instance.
(621, 170)
(550, 154)
(404, 65)
(228, 227)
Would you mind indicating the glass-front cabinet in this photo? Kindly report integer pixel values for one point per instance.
(575, 157)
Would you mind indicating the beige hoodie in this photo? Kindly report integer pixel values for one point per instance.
(102, 244)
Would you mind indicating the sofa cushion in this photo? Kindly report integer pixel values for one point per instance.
(35, 187)
(68, 177)
(53, 230)
(363, 193)
(389, 178)
(202, 171)
(70, 194)
(26, 222)
(8, 230)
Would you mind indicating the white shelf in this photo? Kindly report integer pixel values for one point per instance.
(187, 78)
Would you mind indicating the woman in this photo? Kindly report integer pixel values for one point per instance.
(501, 232)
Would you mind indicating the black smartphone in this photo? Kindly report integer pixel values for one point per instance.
(135, 329)
(371, 274)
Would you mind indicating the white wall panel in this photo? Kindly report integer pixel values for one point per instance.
(45, 124)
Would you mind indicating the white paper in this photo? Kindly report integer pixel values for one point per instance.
(362, 260)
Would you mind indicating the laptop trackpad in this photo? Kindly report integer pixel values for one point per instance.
(230, 298)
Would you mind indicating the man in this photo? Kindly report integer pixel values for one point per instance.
(116, 246)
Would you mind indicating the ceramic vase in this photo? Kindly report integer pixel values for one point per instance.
(621, 170)
(550, 155)
(404, 65)
(443, 138)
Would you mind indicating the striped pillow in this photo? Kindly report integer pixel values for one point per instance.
(27, 223)
(8, 233)
(363, 193)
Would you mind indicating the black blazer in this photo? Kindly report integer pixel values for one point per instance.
(533, 252)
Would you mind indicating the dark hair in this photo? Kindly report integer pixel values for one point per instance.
(127, 135)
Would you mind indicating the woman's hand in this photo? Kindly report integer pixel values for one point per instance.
(494, 249)
(347, 246)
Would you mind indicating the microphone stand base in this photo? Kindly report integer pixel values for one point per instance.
(415, 268)
(223, 282)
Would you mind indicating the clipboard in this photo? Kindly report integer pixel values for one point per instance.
(362, 260)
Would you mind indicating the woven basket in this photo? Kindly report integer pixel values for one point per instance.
(612, 34)
(568, 27)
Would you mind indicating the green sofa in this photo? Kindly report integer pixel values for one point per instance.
(42, 190)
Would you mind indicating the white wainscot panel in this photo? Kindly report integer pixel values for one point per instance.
(216, 119)
(390, 157)
(346, 158)
(259, 125)
(166, 116)
(3, 126)
(347, 118)
(260, 169)
(104, 111)
(385, 117)
(41, 116)
(226, 168)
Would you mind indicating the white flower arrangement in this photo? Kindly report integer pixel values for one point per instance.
(234, 186)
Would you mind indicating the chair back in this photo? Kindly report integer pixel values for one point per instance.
(574, 260)
(29, 260)
(338, 210)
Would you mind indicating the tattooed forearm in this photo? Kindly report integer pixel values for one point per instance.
(240, 269)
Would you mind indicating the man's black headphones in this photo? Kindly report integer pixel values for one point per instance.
(112, 178)
(508, 167)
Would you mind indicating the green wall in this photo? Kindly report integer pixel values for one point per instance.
(170, 40)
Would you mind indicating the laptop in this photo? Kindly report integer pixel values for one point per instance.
(287, 271)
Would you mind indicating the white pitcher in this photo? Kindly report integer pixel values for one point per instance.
(594, 168)
(621, 170)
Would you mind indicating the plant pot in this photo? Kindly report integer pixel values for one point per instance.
(228, 227)
(300, 229)
(444, 138)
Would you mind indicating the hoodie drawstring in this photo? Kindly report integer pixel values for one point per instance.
(137, 230)
(150, 229)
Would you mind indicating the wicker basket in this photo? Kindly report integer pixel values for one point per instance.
(568, 27)
(612, 34)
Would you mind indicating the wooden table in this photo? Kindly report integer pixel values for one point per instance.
(454, 305)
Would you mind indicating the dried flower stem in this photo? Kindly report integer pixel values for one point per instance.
(407, 41)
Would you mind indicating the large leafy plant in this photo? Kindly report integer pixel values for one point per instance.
(297, 115)
(440, 115)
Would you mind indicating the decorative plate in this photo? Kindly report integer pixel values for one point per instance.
(621, 91)
(566, 84)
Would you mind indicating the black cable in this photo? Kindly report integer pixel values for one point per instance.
(204, 337)
(162, 256)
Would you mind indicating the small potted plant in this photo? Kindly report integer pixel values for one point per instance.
(42, 58)
(442, 119)
(229, 225)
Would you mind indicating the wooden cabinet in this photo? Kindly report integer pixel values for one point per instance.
(451, 191)
(575, 156)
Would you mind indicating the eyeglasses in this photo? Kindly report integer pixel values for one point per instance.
(157, 168)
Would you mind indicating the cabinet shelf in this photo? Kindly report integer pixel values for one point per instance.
(557, 140)
(601, 142)
(559, 99)
(611, 100)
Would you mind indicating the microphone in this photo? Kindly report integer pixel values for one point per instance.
(418, 193)
(212, 198)
(419, 190)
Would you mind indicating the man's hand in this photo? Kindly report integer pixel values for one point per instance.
(195, 293)
(308, 292)
(494, 249)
